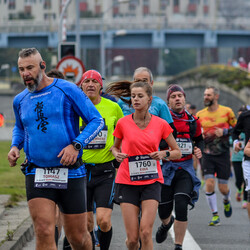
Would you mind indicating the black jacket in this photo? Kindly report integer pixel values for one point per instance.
(243, 125)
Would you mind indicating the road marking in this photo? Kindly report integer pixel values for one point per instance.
(189, 242)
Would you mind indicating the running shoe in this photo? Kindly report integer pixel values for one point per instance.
(162, 231)
(244, 204)
(238, 196)
(215, 221)
(66, 245)
(227, 209)
(178, 247)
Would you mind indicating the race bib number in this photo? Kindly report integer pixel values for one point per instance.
(185, 145)
(142, 167)
(100, 140)
(51, 178)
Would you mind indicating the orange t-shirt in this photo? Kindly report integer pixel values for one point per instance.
(223, 118)
(136, 141)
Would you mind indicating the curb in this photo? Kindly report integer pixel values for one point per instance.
(3, 199)
(22, 235)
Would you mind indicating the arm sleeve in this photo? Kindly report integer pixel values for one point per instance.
(18, 131)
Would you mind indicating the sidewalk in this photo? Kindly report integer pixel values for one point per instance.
(14, 222)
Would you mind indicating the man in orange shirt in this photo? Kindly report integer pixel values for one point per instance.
(217, 122)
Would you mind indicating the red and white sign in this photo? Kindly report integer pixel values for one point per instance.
(72, 68)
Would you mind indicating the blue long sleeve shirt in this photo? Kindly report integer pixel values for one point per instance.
(48, 120)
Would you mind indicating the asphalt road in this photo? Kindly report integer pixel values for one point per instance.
(232, 234)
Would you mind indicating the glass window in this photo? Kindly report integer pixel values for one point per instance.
(12, 4)
(163, 4)
(47, 4)
(176, 6)
(132, 7)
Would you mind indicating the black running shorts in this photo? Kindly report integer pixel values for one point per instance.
(70, 201)
(100, 189)
(135, 194)
(219, 164)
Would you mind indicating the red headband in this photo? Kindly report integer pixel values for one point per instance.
(93, 74)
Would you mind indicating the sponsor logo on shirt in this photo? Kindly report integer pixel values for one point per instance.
(43, 94)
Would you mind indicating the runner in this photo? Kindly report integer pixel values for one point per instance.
(139, 177)
(217, 122)
(47, 117)
(181, 186)
(237, 158)
(243, 126)
(100, 162)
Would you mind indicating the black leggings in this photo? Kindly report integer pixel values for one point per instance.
(181, 204)
(177, 194)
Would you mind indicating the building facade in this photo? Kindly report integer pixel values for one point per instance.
(167, 14)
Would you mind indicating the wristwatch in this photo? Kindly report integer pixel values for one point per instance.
(167, 155)
(77, 146)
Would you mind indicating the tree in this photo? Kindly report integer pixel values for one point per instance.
(178, 60)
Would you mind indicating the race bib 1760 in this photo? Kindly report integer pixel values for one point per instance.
(142, 167)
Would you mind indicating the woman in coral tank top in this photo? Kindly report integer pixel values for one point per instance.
(139, 177)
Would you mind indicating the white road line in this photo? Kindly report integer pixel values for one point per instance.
(189, 242)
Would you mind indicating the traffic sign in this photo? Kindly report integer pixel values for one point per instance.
(72, 68)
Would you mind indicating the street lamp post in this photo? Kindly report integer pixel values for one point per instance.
(60, 30)
(102, 39)
(78, 40)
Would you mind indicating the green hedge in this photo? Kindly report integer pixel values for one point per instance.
(235, 78)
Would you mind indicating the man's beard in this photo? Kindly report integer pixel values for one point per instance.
(33, 87)
(208, 103)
